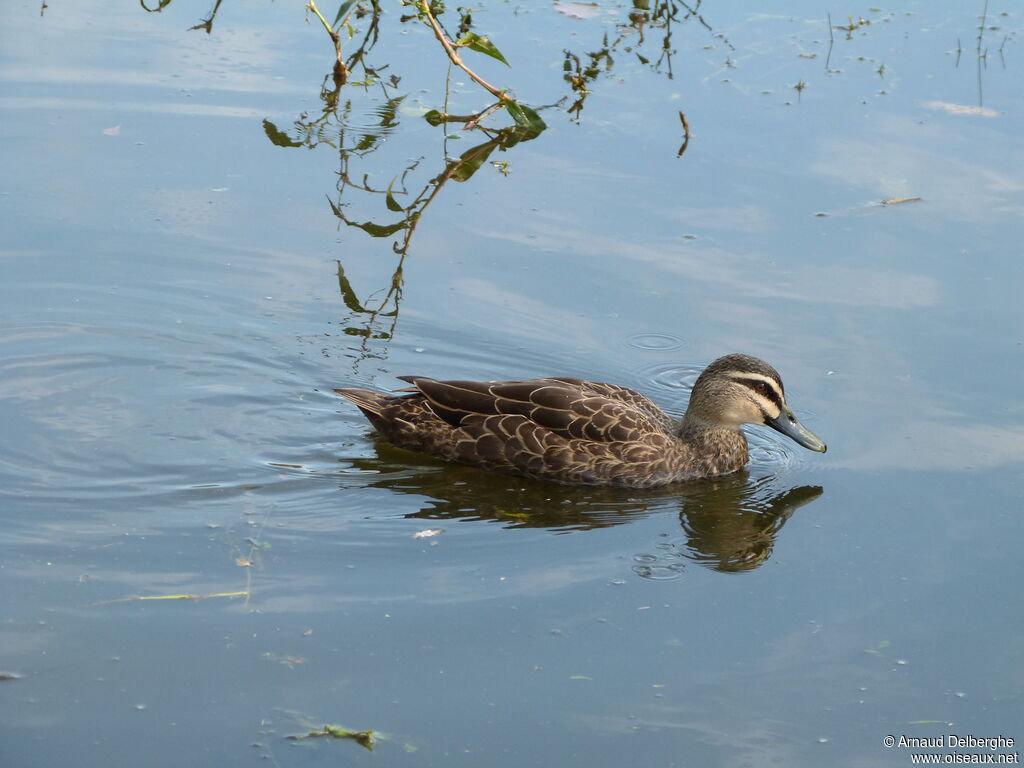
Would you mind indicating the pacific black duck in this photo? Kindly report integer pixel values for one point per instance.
(584, 433)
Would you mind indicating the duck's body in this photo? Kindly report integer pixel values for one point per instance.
(585, 433)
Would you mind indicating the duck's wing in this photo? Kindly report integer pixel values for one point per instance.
(572, 409)
(628, 396)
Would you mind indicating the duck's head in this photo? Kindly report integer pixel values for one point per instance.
(740, 389)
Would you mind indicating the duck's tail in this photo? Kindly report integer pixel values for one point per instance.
(368, 401)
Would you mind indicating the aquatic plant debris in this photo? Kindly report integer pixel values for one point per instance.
(363, 738)
(898, 200)
(174, 597)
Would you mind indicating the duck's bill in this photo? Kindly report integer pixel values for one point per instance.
(787, 424)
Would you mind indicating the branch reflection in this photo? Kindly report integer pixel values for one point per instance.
(341, 125)
(660, 16)
(377, 317)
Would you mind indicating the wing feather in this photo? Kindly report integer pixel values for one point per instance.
(570, 408)
(568, 430)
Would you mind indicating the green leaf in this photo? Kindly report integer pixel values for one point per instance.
(470, 161)
(514, 134)
(434, 117)
(389, 199)
(342, 10)
(378, 230)
(367, 141)
(347, 294)
(278, 137)
(525, 116)
(482, 44)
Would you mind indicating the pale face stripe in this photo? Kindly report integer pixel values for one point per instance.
(770, 403)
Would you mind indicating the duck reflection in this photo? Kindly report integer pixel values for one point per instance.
(730, 523)
(458, 492)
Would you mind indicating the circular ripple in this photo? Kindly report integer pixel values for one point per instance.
(768, 450)
(660, 572)
(655, 341)
(673, 379)
(661, 567)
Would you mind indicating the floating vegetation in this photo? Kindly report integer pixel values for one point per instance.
(365, 739)
(174, 597)
(898, 200)
(877, 650)
(851, 26)
(245, 555)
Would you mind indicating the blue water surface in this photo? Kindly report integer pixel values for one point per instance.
(199, 240)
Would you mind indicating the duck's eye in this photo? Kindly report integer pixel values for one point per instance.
(761, 388)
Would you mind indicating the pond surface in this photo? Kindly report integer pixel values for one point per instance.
(199, 242)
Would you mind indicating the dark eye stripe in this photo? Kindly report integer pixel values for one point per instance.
(762, 388)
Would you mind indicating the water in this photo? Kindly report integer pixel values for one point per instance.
(179, 297)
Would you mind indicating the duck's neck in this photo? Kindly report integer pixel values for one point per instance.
(714, 448)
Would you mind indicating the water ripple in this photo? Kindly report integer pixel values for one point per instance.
(655, 341)
(667, 383)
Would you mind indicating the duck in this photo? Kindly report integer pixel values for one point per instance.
(577, 432)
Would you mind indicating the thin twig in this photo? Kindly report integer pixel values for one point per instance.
(831, 42)
(340, 70)
(981, 27)
(686, 133)
(455, 58)
(981, 35)
(472, 121)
